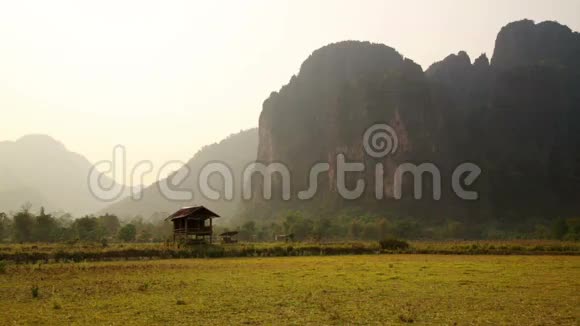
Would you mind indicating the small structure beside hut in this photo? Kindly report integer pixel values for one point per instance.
(284, 237)
(193, 224)
(228, 237)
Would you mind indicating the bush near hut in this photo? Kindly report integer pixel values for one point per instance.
(393, 244)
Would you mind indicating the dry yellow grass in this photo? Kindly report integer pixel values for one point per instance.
(375, 289)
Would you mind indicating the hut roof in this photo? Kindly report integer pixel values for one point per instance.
(191, 212)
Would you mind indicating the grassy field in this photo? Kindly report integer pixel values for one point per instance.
(362, 289)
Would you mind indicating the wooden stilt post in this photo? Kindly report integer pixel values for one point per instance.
(210, 230)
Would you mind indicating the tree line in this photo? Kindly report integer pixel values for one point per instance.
(348, 226)
(26, 226)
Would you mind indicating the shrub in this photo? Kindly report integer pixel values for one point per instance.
(143, 287)
(35, 291)
(393, 244)
(2, 267)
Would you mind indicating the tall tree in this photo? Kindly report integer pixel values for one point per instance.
(23, 225)
(128, 233)
(45, 227)
(110, 224)
(383, 228)
(88, 228)
(355, 229)
(3, 226)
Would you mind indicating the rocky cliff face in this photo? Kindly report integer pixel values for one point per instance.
(341, 90)
(533, 149)
(524, 43)
(517, 117)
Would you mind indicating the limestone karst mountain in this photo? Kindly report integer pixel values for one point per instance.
(517, 116)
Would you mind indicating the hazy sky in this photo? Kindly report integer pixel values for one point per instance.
(167, 77)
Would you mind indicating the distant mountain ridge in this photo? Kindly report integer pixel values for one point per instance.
(40, 170)
(236, 151)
